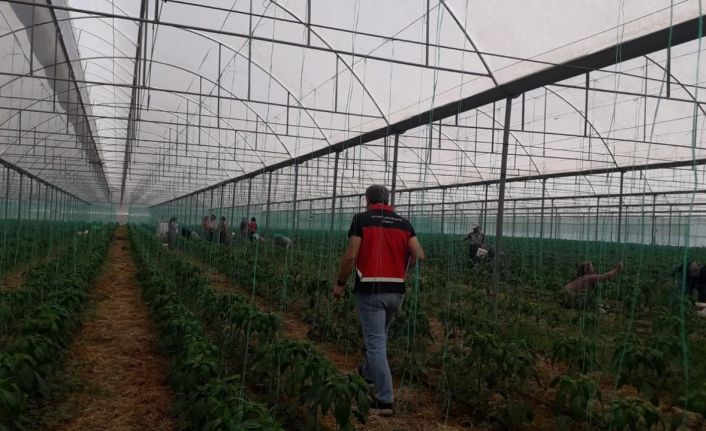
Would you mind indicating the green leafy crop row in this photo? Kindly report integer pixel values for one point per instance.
(288, 370)
(38, 321)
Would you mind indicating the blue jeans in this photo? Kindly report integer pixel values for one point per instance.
(376, 312)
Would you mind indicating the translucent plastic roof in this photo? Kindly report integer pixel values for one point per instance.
(223, 88)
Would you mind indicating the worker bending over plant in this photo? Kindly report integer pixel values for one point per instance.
(580, 292)
(693, 280)
(381, 245)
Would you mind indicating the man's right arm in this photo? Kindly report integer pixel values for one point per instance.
(610, 275)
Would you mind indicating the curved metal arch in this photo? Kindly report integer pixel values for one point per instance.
(598, 134)
(338, 56)
(168, 91)
(451, 12)
(246, 103)
(237, 52)
(536, 168)
(296, 99)
(66, 149)
(684, 87)
(167, 127)
(21, 29)
(350, 183)
(269, 74)
(180, 116)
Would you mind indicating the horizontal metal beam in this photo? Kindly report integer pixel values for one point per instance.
(584, 173)
(128, 86)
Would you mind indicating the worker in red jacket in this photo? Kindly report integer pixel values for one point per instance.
(252, 229)
(381, 245)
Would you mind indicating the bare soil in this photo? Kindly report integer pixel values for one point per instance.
(123, 377)
(13, 279)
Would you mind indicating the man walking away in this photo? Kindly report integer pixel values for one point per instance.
(381, 245)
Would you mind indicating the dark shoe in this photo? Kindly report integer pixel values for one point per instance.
(382, 409)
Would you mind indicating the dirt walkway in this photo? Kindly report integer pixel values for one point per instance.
(13, 278)
(423, 411)
(123, 377)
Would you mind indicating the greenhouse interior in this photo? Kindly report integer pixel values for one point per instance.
(352, 215)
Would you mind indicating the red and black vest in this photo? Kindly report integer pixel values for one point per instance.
(381, 265)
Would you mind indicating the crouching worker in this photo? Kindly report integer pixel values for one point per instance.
(281, 240)
(580, 292)
(693, 280)
(381, 245)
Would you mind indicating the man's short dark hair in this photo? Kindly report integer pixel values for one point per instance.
(377, 194)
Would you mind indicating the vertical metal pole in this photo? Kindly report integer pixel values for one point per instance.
(485, 209)
(31, 45)
(335, 191)
(541, 214)
(190, 213)
(203, 206)
(218, 83)
(654, 219)
(210, 204)
(598, 208)
(585, 118)
(620, 209)
(501, 204)
(394, 169)
(269, 196)
(308, 22)
(46, 200)
(443, 210)
(669, 66)
(669, 228)
(220, 206)
(19, 200)
(428, 20)
(514, 213)
(7, 195)
(522, 126)
(294, 203)
(29, 205)
(250, 32)
(232, 206)
(247, 207)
